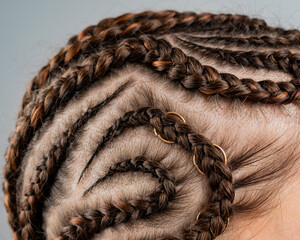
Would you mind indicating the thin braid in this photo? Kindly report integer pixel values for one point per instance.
(283, 60)
(252, 41)
(109, 30)
(139, 163)
(30, 216)
(157, 54)
(212, 220)
(85, 225)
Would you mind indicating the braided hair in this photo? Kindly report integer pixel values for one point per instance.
(115, 82)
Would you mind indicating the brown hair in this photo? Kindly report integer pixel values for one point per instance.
(170, 48)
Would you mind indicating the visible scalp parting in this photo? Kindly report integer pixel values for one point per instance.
(152, 48)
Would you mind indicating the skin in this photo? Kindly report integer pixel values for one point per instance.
(279, 224)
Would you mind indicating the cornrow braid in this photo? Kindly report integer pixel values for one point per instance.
(211, 221)
(90, 222)
(30, 216)
(139, 163)
(140, 39)
(283, 60)
(260, 41)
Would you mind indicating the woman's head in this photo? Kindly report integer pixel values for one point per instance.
(85, 160)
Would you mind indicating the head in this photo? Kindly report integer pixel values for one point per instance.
(97, 154)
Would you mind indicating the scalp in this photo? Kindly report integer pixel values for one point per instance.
(75, 119)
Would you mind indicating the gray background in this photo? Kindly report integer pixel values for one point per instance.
(33, 31)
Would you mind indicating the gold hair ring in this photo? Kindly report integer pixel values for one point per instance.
(225, 158)
(221, 232)
(194, 159)
(174, 113)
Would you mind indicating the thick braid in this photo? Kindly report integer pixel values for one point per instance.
(283, 60)
(91, 222)
(253, 41)
(157, 54)
(42, 180)
(212, 220)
